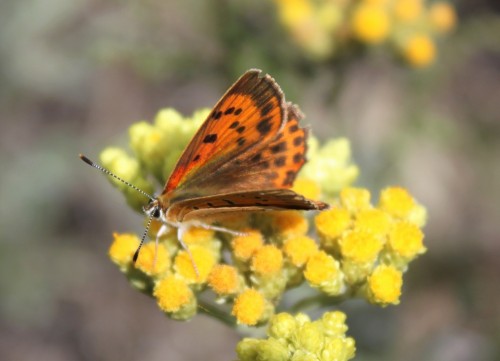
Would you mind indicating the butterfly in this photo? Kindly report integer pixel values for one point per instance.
(244, 158)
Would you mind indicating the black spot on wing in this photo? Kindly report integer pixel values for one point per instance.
(264, 126)
(241, 141)
(240, 129)
(238, 111)
(280, 161)
(229, 111)
(266, 109)
(298, 141)
(210, 138)
(256, 158)
(280, 147)
(290, 177)
(298, 157)
(234, 124)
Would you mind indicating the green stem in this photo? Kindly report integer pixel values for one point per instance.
(210, 310)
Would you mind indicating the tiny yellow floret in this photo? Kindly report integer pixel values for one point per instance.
(223, 279)
(396, 201)
(299, 249)
(246, 245)
(360, 246)
(406, 239)
(294, 12)
(148, 255)
(370, 23)
(420, 51)
(443, 17)
(373, 220)
(332, 222)
(385, 285)
(321, 267)
(355, 199)
(202, 257)
(289, 223)
(249, 307)
(407, 10)
(123, 248)
(198, 235)
(308, 188)
(172, 293)
(267, 261)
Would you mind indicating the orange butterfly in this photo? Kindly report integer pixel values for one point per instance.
(244, 157)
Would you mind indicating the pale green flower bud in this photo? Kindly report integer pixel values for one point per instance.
(272, 350)
(301, 355)
(281, 325)
(308, 337)
(247, 349)
(334, 323)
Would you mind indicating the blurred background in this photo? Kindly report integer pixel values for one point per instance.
(414, 85)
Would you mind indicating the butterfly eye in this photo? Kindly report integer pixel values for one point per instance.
(156, 213)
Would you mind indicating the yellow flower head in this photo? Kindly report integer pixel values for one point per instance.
(419, 51)
(289, 223)
(407, 10)
(123, 248)
(294, 12)
(249, 307)
(355, 199)
(299, 249)
(360, 246)
(406, 240)
(370, 23)
(172, 294)
(397, 202)
(384, 285)
(308, 188)
(147, 257)
(197, 235)
(267, 261)
(374, 221)
(224, 279)
(246, 245)
(323, 271)
(332, 222)
(202, 257)
(442, 16)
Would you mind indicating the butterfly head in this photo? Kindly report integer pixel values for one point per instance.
(154, 210)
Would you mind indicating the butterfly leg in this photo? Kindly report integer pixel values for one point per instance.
(180, 234)
(219, 229)
(164, 229)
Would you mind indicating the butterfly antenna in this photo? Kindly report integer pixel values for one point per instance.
(136, 254)
(105, 171)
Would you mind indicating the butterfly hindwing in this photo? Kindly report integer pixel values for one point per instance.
(273, 199)
(250, 113)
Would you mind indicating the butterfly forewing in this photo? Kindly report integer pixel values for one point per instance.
(252, 112)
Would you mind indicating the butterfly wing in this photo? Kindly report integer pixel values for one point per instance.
(211, 206)
(270, 165)
(251, 112)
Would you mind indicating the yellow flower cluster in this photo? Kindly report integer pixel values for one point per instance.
(299, 338)
(324, 28)
(362, 249)
(368, 246)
